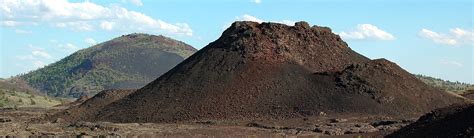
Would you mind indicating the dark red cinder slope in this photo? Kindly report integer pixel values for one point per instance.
(275, 71)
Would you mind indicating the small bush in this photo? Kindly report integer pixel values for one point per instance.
(32, 102)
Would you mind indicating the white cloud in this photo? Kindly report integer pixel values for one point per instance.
(10, 23)
(43, 10)
(79, 26)
(53, 41)
(19, 31)
(457, 36)
(107, 25)
(26, 57)
(287, 22)
(247, 17)
(367, 31)
(90, 41)
(257, 1)
(451, 63)
(68, 46)
(136, 2)
(36, 57)
(41, 53)
(84, 16)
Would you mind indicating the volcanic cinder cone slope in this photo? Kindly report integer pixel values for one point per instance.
(268, 71)
(76, 102)
(452, 121)
(91, 106)
(469, 94)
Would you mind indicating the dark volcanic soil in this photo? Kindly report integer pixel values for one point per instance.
(29, 122)
(453, 121)
(76, 102)
(90, 107)
(274, 71)
(468, 94)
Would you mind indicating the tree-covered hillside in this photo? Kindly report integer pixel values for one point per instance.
(456, 87)
(129, 61)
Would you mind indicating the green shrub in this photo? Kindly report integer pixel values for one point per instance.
(32, 102)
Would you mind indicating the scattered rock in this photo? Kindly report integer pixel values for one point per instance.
(390, 125)
(345, 128)
(302, 24)
(384, 122)
(206, 122)
(322, 114)
(259, 125)
(453, 121)
(5, 120)
(338, 120)
(47, 133)
(59, 120)
(107, 126)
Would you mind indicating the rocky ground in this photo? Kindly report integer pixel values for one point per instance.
(31, 122)
(452, 121)
(468, 94)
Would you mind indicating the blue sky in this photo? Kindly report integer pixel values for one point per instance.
(433, 38)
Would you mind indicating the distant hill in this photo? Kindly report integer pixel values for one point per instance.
(18, 94)
(126, 62)
(445, 85)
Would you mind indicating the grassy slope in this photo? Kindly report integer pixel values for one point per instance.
(456, 87)
(20, 95)
(22, 99)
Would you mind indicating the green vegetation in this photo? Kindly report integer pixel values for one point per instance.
(456, 87)
(32, 102)
(129, 61)
(21, 99)
(15, 95)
